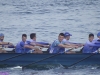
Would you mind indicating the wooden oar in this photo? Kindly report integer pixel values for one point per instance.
(42, 59)
(81, 60)
(12, 57)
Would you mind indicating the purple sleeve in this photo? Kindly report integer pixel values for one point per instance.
(22, 44)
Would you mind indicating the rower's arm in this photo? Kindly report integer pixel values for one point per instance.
(4, 43)
(31, 47)
(67, 46)
(37, 44)
(28, 46)
(71, 44)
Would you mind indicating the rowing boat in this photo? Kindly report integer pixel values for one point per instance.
(63, 59)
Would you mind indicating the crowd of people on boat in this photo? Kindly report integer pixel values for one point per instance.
(61, 45)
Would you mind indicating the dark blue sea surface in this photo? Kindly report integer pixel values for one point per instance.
(48, 18)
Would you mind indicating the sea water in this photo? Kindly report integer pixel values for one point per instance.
(48, 18)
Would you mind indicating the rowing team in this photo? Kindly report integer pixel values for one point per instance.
(58, 46)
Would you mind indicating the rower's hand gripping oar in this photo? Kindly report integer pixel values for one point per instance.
(42, 59)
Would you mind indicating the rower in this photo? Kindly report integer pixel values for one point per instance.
(33, 42)
(38, 45)
(97, 42)
(89, 45)
(98, 36)
(66, 40)
(25, 47)
(67, 37)
(4, 44)
(20, 46)
(58, 46)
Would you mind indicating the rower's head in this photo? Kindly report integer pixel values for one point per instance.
(24, 37)
(98, 35)
(33, 36)
(91, 37)
(61, 37)
(1, 36)
(67, 35)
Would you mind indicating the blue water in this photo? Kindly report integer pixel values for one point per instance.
(48, 18)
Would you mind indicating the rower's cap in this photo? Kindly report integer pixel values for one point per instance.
(1, 34)
(67, 34)
(98, 34)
